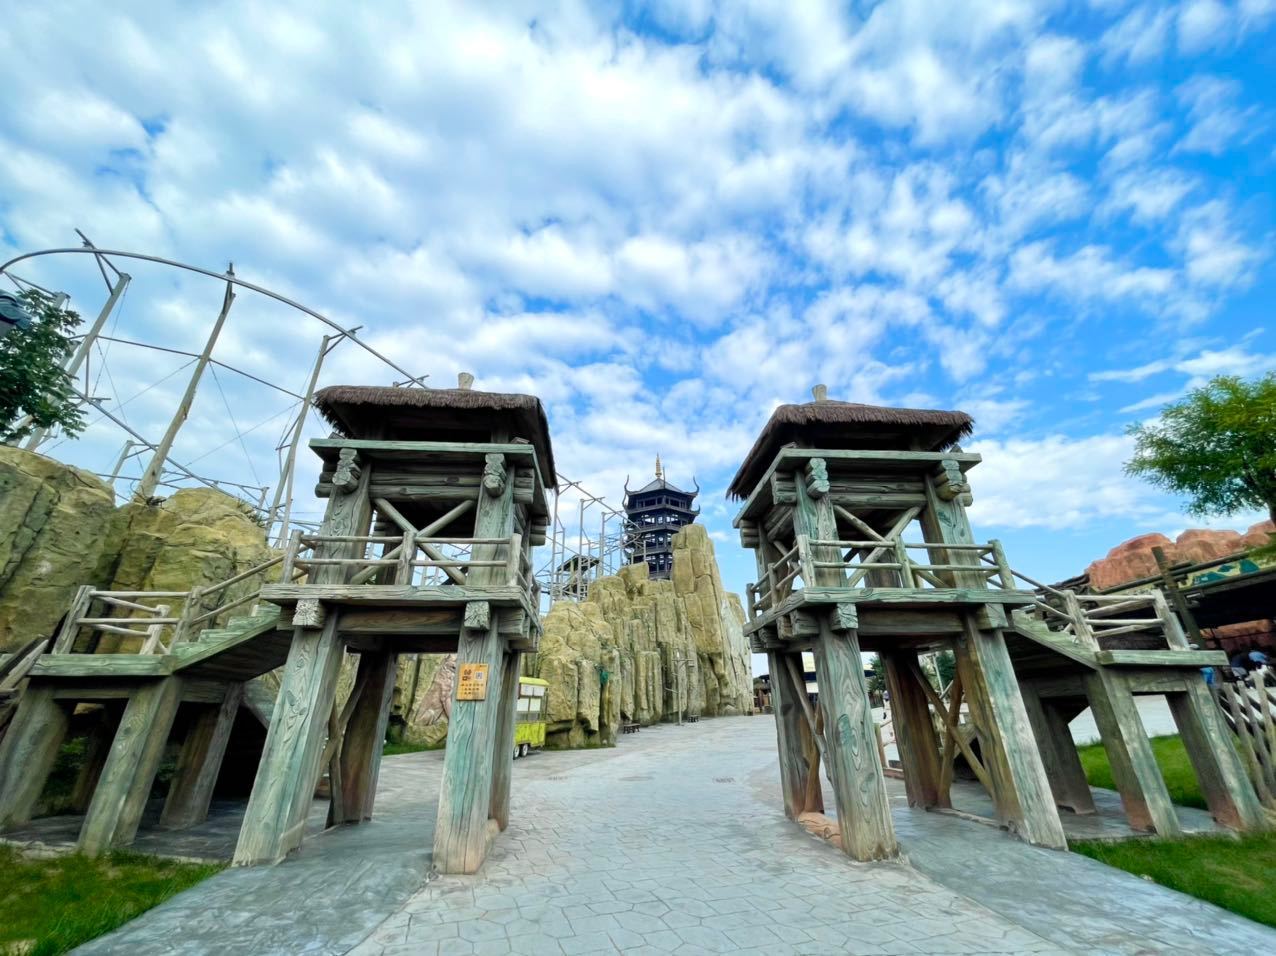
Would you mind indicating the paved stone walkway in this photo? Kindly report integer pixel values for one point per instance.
(674, 843)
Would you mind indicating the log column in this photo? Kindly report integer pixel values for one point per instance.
(121, 793)
(503, 759)
(461, 832)
(788, 734)
(365, 735)
(1023, 798)
(914, 730)
(200, 762)
(28, 751)
(275, 821)
(1138, 778)
(1058, 752)
(850, 743)
(1226, 788)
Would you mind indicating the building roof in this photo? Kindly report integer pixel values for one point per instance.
(833, 424)
(436, 414)
(660, 484)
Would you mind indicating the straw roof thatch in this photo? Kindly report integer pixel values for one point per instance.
(436, 414)
(832, 424)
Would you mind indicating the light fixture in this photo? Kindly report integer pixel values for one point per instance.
(12, 314)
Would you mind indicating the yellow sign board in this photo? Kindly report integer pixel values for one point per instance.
(472, 682)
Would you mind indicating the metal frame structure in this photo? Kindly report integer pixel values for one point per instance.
(162, 469)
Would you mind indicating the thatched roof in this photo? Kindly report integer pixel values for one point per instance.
(832, 424)
(436, 414)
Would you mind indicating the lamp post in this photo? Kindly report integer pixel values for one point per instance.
(12, 314)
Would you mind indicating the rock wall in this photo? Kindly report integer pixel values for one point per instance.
(1133, 559)
(638, 650)
(60, 528)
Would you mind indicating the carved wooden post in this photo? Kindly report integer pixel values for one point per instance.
(276, 817)
(863, 810)
(1023, 797)
(461, 832)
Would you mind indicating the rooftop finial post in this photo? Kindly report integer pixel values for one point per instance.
(464, 381)
(659, 471)
(821, 393)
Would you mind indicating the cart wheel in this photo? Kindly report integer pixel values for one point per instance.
(518, 751)
(524, 750)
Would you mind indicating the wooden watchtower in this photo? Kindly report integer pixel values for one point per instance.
(833, 491)
(454, 480)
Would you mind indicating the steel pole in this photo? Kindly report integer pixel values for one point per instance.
(150, 479)
(283, 490)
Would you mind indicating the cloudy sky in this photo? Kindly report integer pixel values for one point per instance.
(665, 219)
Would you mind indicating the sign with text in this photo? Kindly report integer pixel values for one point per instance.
(472, 682)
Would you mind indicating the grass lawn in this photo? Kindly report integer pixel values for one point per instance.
(1180, 778)
(1238, 875)
(390, 750)
(51, 906)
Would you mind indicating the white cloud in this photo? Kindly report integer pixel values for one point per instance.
(1140, 36)
(1203, 24)
(1215, 254)
(1217, 124)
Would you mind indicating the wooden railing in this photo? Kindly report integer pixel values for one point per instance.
(435, 558)
(1086, 618)
(146, 614)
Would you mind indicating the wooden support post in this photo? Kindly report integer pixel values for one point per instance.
(360, 757)
(788, 732)
(461, 831)
(27, 752)
(120, 797)
(275, 820)
(1171, 587)
(1138, 778)
(465, 792)
(503, 767)
(859, 786)
(200, 762)
(1058, 752)
(70, 627)
(914, 729)
(1021, 790)
(97, 747)
(1226, 788)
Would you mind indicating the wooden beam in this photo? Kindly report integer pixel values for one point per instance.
(120, 797)
(275, 820)
(364, 735)
(859, 786)
(914, 728)
(503, 758)
(27, 752)
(1058, 752)
(461, 833)
(200, 761)
(788, 731)
(1222, 778)
(1134, 768)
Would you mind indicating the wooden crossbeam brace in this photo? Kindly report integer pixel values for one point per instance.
(888, 542)
(952, 731)
(391, 512)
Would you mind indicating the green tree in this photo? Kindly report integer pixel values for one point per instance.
(1217, 446)
(34, 390)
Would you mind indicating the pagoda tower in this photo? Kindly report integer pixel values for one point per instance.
(656, 511)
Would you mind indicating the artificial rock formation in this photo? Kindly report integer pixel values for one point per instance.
(59, 529)
(639, 651)
(1133, 559)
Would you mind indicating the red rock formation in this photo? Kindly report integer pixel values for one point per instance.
(1133, 559)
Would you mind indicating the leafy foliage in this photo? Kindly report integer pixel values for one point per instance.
(32, 382)
(1217, 446)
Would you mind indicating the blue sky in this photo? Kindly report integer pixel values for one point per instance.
(666, 219)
